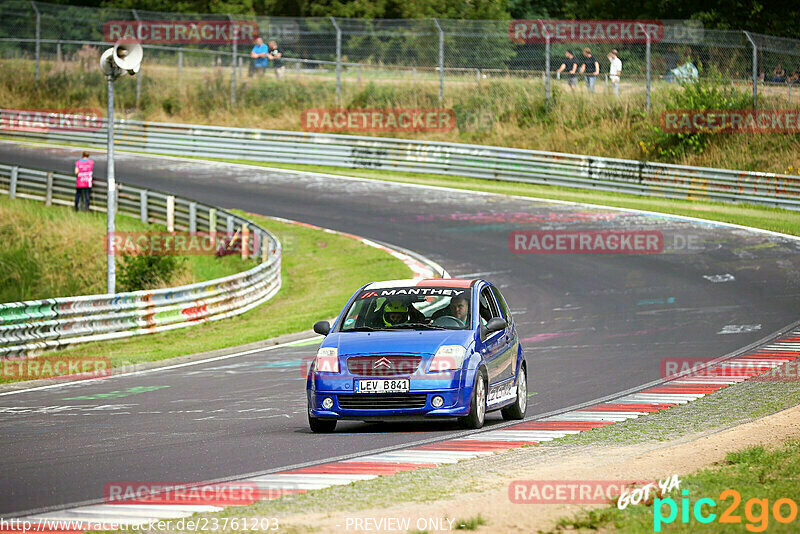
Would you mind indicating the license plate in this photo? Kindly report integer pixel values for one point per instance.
(382, 386)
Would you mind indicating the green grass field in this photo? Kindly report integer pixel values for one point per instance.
(756, 477)
(48, 252)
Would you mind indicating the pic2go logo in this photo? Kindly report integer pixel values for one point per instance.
(756, 511)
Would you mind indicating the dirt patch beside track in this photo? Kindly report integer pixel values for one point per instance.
(644, 461)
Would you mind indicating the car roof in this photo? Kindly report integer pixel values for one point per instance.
(425, 282)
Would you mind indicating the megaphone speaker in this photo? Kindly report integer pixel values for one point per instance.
(127, 55)
(105, 62)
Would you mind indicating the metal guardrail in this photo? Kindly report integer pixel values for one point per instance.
(31, 327)
(476, 161)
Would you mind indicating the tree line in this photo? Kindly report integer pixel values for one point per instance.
(777, 17)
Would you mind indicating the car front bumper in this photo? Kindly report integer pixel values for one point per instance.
(456, 395)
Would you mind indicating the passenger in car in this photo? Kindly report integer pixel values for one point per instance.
(458, 308)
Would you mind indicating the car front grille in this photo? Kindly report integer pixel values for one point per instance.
(383, 365)
(382, 402)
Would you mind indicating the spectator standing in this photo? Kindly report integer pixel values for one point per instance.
(796, 75)
(83, 182)
(614, 70)
(590, 69)
(275, 56)
(571, 67)
(778, 74)
(259, 54)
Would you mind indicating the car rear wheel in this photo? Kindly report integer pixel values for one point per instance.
(323, 426)
(477, 408)
(517, 410)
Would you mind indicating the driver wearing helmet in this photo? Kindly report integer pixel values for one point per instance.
(394, 313)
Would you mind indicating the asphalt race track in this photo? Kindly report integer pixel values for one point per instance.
(592, 325)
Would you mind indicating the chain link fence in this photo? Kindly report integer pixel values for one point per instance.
(442, 56)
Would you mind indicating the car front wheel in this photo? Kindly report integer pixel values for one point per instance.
(477, 407)
(322, 426)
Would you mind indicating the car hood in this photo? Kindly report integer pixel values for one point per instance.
(396, 342)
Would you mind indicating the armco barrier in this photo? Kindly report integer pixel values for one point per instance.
(477, 161)
(33, 326)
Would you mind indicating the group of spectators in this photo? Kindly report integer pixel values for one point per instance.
(779, 75)
(589, 67)
(263, 55)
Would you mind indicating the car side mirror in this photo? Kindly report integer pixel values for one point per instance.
(495, 324)
(322, 327)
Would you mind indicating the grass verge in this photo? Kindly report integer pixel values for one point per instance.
(48, 252)
(311, 260)
(758, 476)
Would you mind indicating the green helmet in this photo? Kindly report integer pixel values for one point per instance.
(395, 306)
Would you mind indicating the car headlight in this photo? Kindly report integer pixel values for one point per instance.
(448, 358)
(327, 360)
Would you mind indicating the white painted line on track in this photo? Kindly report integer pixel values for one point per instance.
(588, 416)
(709, 382)
(315, 478)
(517, 435)
(156, 369)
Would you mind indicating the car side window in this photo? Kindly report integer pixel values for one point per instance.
(356, 316)
(488, 307)
(503, 306)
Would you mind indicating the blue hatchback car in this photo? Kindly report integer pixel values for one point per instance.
(418, 350)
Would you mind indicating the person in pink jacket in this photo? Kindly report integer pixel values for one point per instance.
(83, 182)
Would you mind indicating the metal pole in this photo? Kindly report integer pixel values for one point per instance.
(441, 60)
(338, 58)
(233, 65)
(755, 70)
(111, 268)
(139, 77)
(648, 70)
(547, 68)
(143, 205)
(180, 63)
(12, 184)
(192, 217)
(38, 37)
(48, 196)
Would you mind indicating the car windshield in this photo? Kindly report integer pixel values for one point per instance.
(409, 308)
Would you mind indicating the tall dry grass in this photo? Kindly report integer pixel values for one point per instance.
(497, 111)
